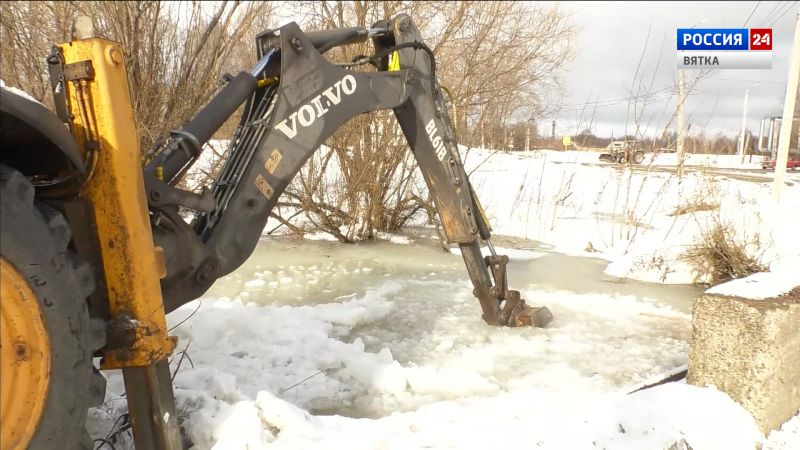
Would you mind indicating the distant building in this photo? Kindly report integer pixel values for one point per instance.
(769, 134)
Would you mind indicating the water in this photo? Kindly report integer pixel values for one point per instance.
(607, 333)
(297, 272)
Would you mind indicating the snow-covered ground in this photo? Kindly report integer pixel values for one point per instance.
(375, 348)
(641, 221)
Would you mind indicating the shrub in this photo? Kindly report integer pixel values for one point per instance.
(723, 255)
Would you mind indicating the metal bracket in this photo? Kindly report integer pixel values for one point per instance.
(81, 70)
(160, 194)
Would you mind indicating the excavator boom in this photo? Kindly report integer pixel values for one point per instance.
(131, 226)
(294, 100)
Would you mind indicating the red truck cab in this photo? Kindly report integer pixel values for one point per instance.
(790, 164)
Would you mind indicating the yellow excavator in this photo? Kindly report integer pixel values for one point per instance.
(98, 246)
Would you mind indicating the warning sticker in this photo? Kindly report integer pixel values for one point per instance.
(263, 186)
(273, 161)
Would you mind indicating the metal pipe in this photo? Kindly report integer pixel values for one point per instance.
(151, 405)
(491, 247)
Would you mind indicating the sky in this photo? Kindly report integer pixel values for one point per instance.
(613, 36)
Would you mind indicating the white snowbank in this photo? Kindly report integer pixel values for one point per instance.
(258, 371)
(643, 223)
(653, 419)
(759, 286)
(17, 91)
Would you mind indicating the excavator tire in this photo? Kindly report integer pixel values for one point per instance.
(48, 339)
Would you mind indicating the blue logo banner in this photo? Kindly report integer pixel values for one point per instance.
(713, 39)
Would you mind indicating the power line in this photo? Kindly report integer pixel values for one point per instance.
(771, 11)
(620, 102)
(791, 6)
(616, 100)
(751, 13)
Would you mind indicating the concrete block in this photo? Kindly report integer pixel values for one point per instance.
(749, 349)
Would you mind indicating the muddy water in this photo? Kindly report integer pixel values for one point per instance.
(296, 272)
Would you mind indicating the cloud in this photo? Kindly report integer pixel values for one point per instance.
(613, 36)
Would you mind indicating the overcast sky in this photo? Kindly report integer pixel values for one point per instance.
(611, 40)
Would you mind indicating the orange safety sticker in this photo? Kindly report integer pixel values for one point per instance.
(264, 186)
(273, 161)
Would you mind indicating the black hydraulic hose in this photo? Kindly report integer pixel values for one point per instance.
(339, 37)
(221, 107)
(190, 139)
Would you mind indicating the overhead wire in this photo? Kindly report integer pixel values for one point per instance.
(791, 6)
(751, 13)
(771, 11)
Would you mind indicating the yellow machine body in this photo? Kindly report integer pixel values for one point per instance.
(25, 359)
(103, 124)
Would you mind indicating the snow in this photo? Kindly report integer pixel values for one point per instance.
(320, 236)
(780, 280)
(391, 354)
(710, 161)
(254, 379)
(255, 284)
(642, 221)
(652, 419)
(393, 238)
(788, 437)
(17, 91)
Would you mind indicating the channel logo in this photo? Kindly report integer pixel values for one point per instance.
(724, 48)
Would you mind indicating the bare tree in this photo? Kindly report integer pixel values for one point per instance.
(503, 51)
(174, 51)
(495, 60)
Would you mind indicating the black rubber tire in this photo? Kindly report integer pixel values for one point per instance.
(34, 238)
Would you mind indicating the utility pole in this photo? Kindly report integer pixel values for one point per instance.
(528, 137)
(553, 135)
(788, 114)
(681, 120)
(744, 124)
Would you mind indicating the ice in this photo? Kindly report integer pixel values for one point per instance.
(393, 238)
(381, 346)
(255, 284)
(512, 253)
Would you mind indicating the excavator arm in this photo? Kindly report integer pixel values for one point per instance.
(294, 99)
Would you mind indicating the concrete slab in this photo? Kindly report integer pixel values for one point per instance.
(749, 349)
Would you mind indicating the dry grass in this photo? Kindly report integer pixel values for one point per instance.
(722, 255)
(693, 208)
